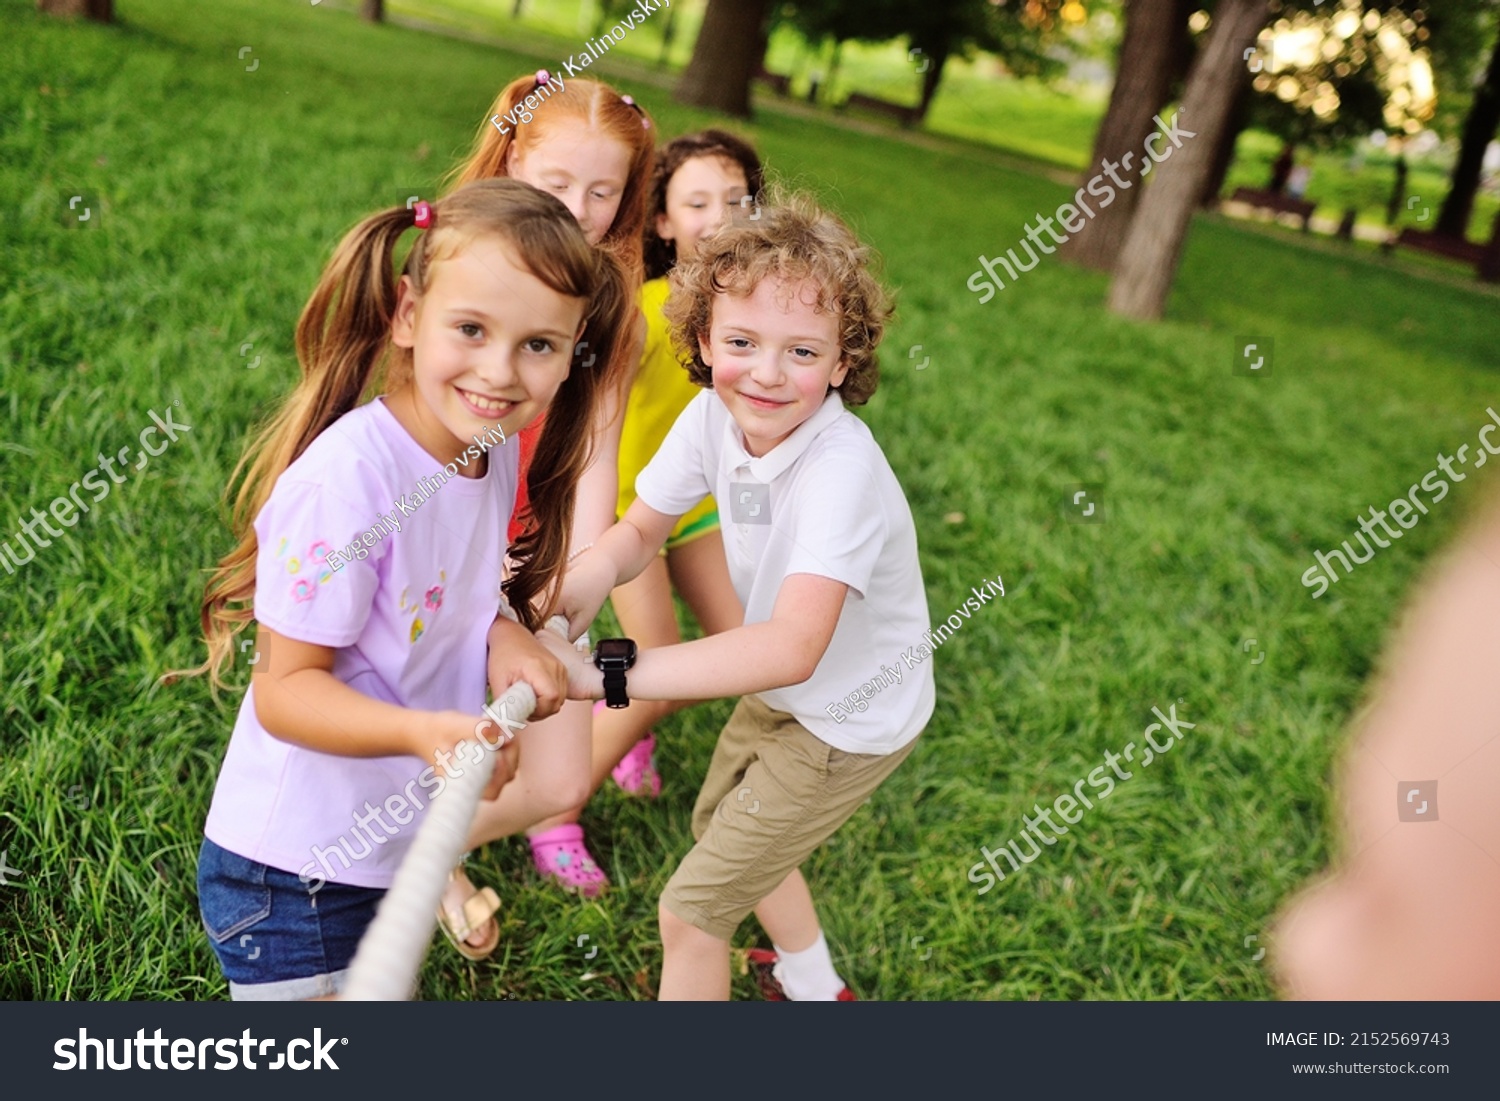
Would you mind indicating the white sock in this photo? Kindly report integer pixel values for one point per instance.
(808, 975)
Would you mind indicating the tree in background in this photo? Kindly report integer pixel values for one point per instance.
(1018, 33)
(1332, 75)
(1153, 57)
(606, 14)
(1350, 57)
(838, 21)
(372, 11)
(1478, 131)
(1325, 77)
(1153, 245)
(728, 53)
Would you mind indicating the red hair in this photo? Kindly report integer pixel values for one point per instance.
(601, 109)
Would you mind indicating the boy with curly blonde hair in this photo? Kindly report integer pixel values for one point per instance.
(783, 319)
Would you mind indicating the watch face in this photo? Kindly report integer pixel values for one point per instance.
(616, 649)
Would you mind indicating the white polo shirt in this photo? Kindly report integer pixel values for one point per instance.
(824, 501)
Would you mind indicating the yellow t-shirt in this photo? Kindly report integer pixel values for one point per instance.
(660, 392)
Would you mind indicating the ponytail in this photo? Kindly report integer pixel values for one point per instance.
(563, 449)
(342, 336)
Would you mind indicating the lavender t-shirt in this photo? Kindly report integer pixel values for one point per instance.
(371, 548)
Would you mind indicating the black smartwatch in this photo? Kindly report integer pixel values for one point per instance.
(612, 657)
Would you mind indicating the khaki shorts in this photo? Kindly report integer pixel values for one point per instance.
(773, 794)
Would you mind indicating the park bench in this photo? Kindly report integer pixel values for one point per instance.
(1279, 204)
(906, 116)
(1441, 244)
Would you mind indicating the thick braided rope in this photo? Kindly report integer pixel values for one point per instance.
(393, 947)
(391, 952)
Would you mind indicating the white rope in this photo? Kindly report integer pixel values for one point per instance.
(391, 952)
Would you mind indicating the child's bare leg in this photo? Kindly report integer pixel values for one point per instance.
(695, 964)
(646, 614)
(549, 756)
(552, 775)
(701, 574)
(788, 914)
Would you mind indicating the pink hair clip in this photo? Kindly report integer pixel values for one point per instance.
(423, 212)
(542, 76)
(629, 101)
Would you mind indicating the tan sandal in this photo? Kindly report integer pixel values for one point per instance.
(478, 908)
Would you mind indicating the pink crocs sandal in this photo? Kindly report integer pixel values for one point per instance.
(636, 773)
(561, 855)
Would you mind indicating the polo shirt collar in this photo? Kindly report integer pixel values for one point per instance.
(779, 459)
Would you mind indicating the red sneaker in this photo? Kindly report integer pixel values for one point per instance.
(763, 963)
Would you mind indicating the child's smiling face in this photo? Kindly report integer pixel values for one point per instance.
(491, 344)
(700, 196)
(773, 355)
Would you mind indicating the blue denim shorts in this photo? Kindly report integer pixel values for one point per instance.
(277, 937)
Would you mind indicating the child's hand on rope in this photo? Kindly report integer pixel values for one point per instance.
(451, 740)
(517, 656)
(584, 681)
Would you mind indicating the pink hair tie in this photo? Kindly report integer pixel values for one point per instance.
(629, 101)
(423, 212)
(542, 76)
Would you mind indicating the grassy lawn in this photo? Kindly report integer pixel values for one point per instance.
(216, 194)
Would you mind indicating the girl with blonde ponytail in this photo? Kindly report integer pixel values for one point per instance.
(371, 549)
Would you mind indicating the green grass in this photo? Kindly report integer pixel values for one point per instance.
(218, 195)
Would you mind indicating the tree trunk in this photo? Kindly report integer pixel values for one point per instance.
(372, 11)
(1153, 247)
(1489, 263)
(932, 76)
(102, 11)
(1239, 118)
(1479, 128)
(1151, 53)
(726, 55)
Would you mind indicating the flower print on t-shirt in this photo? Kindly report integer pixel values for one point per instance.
(429, 606)
(308, 570)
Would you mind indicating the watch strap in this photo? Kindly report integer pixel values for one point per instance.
(614, 687)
